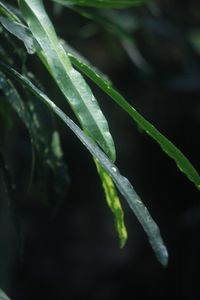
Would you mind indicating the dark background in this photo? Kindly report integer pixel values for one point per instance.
(74, 253)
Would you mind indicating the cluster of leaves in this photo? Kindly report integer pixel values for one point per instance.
(30, 24)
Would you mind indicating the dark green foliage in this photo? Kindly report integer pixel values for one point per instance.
(29, 25)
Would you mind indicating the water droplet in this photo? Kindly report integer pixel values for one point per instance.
(114, 169)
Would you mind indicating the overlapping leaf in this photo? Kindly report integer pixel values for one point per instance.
(113, 202)
(165, 144)
(7, 12)
(44, 137)
(71, 83)
(121, 182)
(168, 147)
(20, 31)
(24, 34)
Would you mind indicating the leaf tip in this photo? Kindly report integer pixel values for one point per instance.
(123, 239)
(163, 256)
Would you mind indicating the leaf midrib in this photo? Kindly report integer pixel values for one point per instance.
(56, 50)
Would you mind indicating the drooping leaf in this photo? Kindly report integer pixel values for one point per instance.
(111, 195)
(102, 3)
(44, 137)
(21, 32)
(121, 182)
(183, 163)
(70, 82)
(6, 11)
(24, 34)
(114, 203)
(167, 146)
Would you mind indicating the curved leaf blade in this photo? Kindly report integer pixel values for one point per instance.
(24, 34)
(70, 82)
(21, 32)
(43, 135)
(167, 146)
(68, 79)
(121, 182)
(7, 12)
(113, 203)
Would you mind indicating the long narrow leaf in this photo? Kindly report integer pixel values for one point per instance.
(24, 34)
(70, 82)
(102, 3)
(43, 135)
(114, 203)
(7, 12)
(168, 147)
(21, 32)
(121, 182)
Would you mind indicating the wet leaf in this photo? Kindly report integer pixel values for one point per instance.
(114, 203)
(44, 138)
(21, 32)
(70, 82)
(6, 11)
(167, 146)
(122, 183)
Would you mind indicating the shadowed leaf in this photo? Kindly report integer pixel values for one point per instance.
(122, 183)
(102, 3)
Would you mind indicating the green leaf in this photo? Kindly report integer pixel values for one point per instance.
(24, 34)
(6, 11)
(121, 182)
(14, 99)
(114, 203)
(70, 82)
(102, 3)
(167, 146)
(44, 137)
(21, 32)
